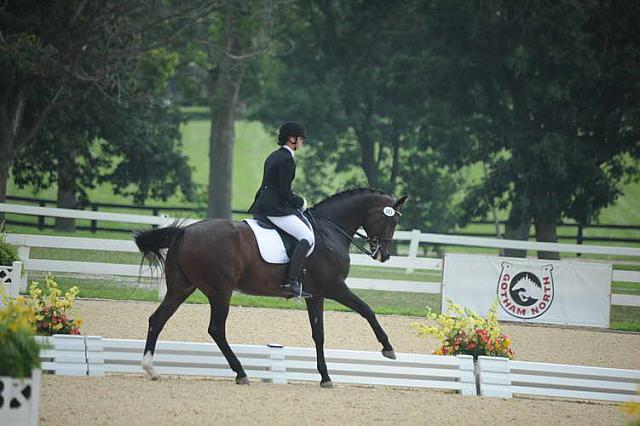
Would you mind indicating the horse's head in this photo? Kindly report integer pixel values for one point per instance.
(380, 223)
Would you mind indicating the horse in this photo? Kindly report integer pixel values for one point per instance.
(218, 256)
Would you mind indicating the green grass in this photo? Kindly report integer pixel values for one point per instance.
(382, 302)
(625, 288)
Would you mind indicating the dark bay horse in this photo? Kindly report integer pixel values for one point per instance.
(220, 256)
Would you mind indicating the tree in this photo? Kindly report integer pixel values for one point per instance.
(136, 149)
(246, 34)
(350, 75)
(218, 51)
(548, 98)
(57, 54)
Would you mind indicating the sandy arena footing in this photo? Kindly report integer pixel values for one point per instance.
(133, 399)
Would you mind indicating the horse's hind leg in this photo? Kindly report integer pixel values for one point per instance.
(219, 311)
(350, 300)
(176, 295)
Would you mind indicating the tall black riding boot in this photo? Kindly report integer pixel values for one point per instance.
(292, 286)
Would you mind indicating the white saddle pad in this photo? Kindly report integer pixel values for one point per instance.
(269, 243)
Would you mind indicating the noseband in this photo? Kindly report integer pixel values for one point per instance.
(375, 243)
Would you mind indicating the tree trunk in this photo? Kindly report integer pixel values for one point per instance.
(395, 165)
(13, 100)
(517, 226)
(5, 166)
(546, 231)
(223, 107)
(66, 192)
(368, 161)
(4, 178)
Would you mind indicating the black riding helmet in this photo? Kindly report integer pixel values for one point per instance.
(289, 128)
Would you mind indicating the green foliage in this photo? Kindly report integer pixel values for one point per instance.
(85, 89)
(8, 252)
(19, 352)
(566, 125)
(352, 79)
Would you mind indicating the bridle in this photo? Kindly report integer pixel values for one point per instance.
(375, 243)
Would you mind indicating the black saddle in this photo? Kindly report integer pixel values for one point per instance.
(289, 241)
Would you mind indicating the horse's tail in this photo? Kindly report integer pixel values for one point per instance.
(152, 241)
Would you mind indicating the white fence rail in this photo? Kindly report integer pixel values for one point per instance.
(95, 356)
(410, 262)
(501, 377)
(26, 242)
(497, 377)
(81, 214)
(63, 354)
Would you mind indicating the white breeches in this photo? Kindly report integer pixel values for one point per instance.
(294, 226)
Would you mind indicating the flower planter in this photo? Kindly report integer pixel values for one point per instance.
(19, 400)
(10, 279)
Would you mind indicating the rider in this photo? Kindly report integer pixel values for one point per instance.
(282, 206)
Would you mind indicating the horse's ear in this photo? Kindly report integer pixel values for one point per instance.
(400, 202)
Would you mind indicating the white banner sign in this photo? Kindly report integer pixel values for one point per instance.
(555, 292)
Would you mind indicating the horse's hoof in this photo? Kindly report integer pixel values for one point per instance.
(147, 366)
(242, 380)
(152, 373)
(389, 354)
(328, 384)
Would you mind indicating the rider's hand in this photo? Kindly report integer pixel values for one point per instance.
(304, 204)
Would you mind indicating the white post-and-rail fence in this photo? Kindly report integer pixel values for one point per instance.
(492, 377)
(409, 263)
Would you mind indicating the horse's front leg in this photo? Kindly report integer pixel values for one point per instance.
(350, 300)
(315, 308)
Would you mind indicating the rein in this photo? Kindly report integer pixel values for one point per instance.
(374, 242)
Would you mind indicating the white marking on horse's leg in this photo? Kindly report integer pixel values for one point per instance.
(147, 365)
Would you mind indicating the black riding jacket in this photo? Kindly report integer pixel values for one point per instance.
(275, 197)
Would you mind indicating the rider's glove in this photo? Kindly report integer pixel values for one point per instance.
(304, 204)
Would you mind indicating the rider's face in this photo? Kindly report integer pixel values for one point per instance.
(296, 142)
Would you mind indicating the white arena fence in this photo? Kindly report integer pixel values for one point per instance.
(409, 263)
(501, 377)
(491, 377)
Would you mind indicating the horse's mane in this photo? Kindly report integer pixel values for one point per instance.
(340, 195)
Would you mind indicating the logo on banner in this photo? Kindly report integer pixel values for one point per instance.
(525, 291)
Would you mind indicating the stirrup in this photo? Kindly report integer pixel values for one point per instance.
(293, 288)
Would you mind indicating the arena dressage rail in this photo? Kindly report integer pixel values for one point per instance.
(220, 256)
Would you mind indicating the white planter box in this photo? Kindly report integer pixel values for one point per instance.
(10, 279)
(19, 400)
